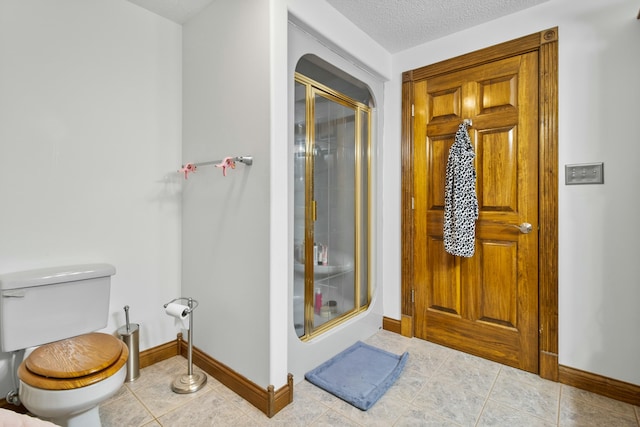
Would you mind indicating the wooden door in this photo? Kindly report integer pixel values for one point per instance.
(487, 304)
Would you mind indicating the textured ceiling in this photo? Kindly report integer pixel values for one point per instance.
(395, 24)
(401, 24)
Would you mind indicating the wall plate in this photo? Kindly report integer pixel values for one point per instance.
(584, 173)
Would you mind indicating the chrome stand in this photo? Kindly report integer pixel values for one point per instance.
(191, 382)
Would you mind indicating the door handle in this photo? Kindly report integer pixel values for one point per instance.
(525, 227)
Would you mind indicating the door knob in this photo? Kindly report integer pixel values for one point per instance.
(525, 227)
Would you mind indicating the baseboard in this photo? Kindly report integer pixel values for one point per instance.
(158, 354)
(269, 401)
(403, 327)
(615, 389)
(548, 366)
(11, 407)
(406, 323)
(391, 325)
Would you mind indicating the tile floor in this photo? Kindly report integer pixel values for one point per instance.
(438, 387)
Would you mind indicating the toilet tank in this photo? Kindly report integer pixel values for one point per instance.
(50, 304)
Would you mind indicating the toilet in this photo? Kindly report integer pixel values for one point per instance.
(52, 314)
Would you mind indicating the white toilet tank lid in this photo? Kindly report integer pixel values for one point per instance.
(53, 275)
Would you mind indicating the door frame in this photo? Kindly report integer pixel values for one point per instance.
(546, 44)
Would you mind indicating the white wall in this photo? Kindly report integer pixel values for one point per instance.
(599, 273)
(226, 220)
(236, 230)
(90, 112)
(279, 246)
(90, 140)
(340, 35)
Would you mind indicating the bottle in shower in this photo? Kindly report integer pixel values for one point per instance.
(318, 302)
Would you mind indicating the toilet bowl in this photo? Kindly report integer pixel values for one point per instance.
(57, 311)
(65, 381)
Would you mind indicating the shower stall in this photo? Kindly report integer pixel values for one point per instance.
(332, 146)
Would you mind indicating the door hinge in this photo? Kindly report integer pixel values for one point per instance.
(413, 295)
(412, 111)
(413, 204)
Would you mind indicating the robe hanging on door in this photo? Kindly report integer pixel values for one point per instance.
(460, 200)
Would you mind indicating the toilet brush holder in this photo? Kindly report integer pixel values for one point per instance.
(191, 381)
(130, 334)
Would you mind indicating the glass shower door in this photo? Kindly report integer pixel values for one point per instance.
(331, 150)
(334, 172)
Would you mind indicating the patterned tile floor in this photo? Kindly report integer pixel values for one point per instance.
(438, 387)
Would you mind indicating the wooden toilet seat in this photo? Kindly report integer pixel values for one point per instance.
(74, 362)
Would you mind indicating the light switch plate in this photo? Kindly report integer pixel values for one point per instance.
(584, 173)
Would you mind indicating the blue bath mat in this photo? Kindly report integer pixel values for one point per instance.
(359, 375)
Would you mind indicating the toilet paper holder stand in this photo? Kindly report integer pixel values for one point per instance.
(191, 381)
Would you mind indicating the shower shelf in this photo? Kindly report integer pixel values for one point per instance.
(325, 271)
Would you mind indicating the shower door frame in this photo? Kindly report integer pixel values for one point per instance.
(362, 154)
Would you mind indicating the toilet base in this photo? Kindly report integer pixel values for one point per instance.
(90, 418)
(75, 407)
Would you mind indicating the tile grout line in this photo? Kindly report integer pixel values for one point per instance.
(154, 418)
(486, 400)
(559, 404)
(518, 409)
(601, 406)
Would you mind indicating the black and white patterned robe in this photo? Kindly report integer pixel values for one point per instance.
(460, 200)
